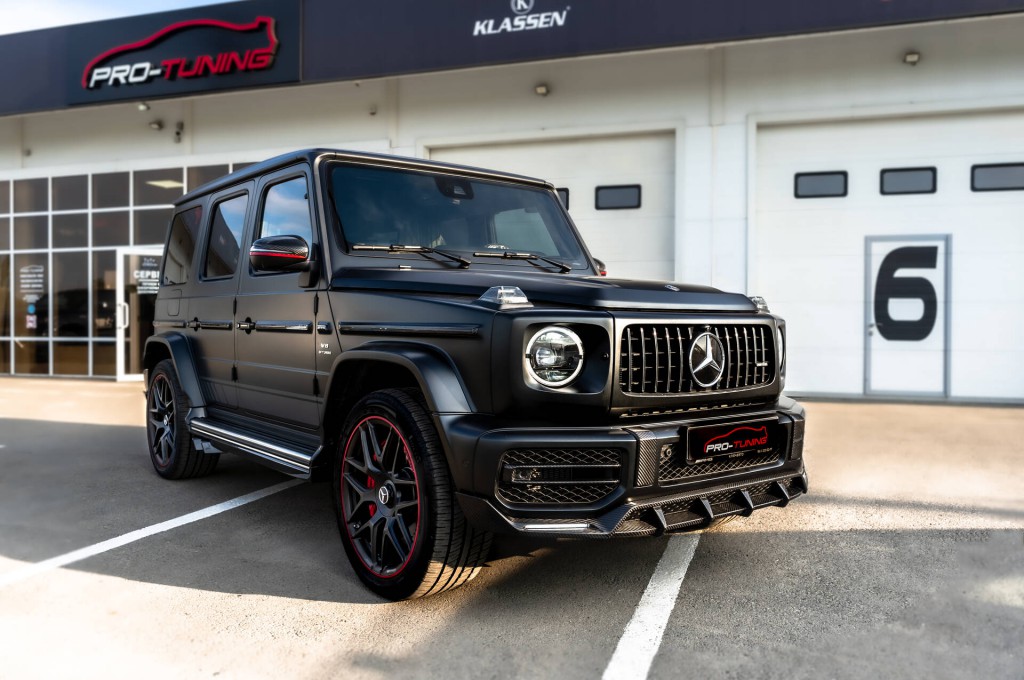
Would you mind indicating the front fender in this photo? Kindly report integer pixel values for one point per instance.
(178, 349)
(435, 372)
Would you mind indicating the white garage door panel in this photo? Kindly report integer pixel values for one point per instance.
(632, 243)
(810, 253)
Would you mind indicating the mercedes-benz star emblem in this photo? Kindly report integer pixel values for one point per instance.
(707, 360)
(383, 495)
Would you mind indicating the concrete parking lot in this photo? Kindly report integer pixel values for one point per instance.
(906, 559)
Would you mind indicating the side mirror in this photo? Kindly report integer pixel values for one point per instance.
(279, 254)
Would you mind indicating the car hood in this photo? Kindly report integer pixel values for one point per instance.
(560, 289)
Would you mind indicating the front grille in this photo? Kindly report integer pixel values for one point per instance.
(559, 476)
(653, 359)
(672, 469)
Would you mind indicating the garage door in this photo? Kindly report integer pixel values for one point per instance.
(631, 228)
(893, 248)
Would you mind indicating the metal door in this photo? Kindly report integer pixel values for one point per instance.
(907, 284)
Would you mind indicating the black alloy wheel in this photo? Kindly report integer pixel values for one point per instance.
(170, 446)
(401, 526)
(379, 496)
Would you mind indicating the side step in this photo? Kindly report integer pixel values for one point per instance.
(278, 456)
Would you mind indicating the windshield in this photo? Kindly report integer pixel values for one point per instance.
(386, 206)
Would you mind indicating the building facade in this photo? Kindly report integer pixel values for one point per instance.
(863, 169)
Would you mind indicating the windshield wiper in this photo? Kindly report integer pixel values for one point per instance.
(422, 250)
(530, 257)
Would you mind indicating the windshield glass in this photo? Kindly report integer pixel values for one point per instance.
(386, 206)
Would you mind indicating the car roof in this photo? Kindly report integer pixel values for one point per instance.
(312, 155)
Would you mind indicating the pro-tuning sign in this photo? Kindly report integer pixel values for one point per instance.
(173, 54)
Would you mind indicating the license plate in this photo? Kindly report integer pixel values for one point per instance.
(734, 440)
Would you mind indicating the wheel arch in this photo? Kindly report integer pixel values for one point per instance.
(177, 349)
(379, 366)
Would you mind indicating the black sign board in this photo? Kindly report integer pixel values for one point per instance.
(348, 40)
(237, 45)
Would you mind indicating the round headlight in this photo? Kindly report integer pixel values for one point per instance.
(554, 356)
(781, 350)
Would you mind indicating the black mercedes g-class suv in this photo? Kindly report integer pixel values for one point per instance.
(437, 342)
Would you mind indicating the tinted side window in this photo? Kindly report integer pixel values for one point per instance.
(286, 211)
(225, 237)
(182, 246)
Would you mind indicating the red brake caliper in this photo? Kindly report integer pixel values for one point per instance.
(370, 484)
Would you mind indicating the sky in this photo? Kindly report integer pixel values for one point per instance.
(17, 16)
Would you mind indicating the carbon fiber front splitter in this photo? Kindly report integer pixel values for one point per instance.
(686, 511)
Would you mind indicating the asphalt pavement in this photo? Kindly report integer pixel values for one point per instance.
(906, 559)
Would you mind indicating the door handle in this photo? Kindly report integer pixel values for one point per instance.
(123, 320)
(246, 325)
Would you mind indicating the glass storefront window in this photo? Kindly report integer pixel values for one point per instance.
(31, 295)
(201, 174)
(71, 358)
(5, 295)
(110, 190)
(104, 358)
(151, 226)
(71, 193)
(110, 229)
(71, 295)
(31, 195)
(31, 233)
(58, 306)
(31, 356)
(104, 294)
(71, 230)
(158, 187)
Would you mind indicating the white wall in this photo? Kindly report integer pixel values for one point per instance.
(713, 92)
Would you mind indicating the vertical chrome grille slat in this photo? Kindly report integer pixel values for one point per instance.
(654, 359)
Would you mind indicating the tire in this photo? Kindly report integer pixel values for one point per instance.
(394, 497)
(170, 446)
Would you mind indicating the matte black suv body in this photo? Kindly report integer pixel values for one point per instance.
(437, 341)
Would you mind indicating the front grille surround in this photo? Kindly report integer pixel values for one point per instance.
(653, 358)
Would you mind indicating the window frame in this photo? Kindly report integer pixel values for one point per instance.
(207, 231)
(203, 214)
(565, 203)
(268, 182)
(976, 166)
(639, 196)
(932, 169)
(796, 183)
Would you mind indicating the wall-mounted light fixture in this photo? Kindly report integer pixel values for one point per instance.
(911, 58)
(156, 125)
(142, 106)
(542, 90)
(179, 131)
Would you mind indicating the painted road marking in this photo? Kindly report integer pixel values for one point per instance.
(31, 570)
(640, 641)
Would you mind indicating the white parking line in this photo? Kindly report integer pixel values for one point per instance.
(640, 641)
(31, 570)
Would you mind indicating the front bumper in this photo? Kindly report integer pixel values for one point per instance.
(649, 492)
